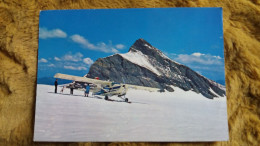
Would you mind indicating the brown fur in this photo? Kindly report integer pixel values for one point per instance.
(18, 63)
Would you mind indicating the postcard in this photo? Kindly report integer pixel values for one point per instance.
(152, 74)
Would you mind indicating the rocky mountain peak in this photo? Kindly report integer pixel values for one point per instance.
(141, 45)
(146, 48)
(145, 65)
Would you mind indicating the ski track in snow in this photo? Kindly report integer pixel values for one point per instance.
(152, 116)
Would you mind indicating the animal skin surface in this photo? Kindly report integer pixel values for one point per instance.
(18, 64)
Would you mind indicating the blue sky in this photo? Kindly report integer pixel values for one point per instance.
(71, 40)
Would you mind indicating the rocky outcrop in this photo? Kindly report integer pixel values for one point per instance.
(145, 65)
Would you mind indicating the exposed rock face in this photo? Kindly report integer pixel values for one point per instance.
(145, 65)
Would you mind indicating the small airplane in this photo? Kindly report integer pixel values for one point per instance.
(101, 87)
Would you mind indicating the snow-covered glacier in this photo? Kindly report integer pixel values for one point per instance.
(152, 116)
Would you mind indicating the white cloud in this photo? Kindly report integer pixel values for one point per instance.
(44, 33)
(75, 68)
(197, 54)
(51, 65)
(218, 57)
(102, 47)
(42, 60)
(120, 46)
(207, 56)
(57, 58)
(82, 41)
(88, 61)
(201, 67)
(70, 60)
(73, 57)
(113, 50)
(199, 58)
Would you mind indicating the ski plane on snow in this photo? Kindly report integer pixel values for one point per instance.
(104, 88)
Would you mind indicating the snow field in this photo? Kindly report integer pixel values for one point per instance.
(152, 116)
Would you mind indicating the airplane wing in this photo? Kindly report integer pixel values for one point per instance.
(81, 79)
(101, 82)
(142, 88)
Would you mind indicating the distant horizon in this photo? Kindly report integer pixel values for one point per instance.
(70, 41)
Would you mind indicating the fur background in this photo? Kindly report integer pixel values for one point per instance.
(18, 64)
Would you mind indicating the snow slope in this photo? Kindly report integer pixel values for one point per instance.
(152, 116)
(140, 59)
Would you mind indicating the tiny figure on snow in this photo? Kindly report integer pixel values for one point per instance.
(87, 90)
(71, 90)
(61, 91)
(56, 84)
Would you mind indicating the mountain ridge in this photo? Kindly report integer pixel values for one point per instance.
(146, 65)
